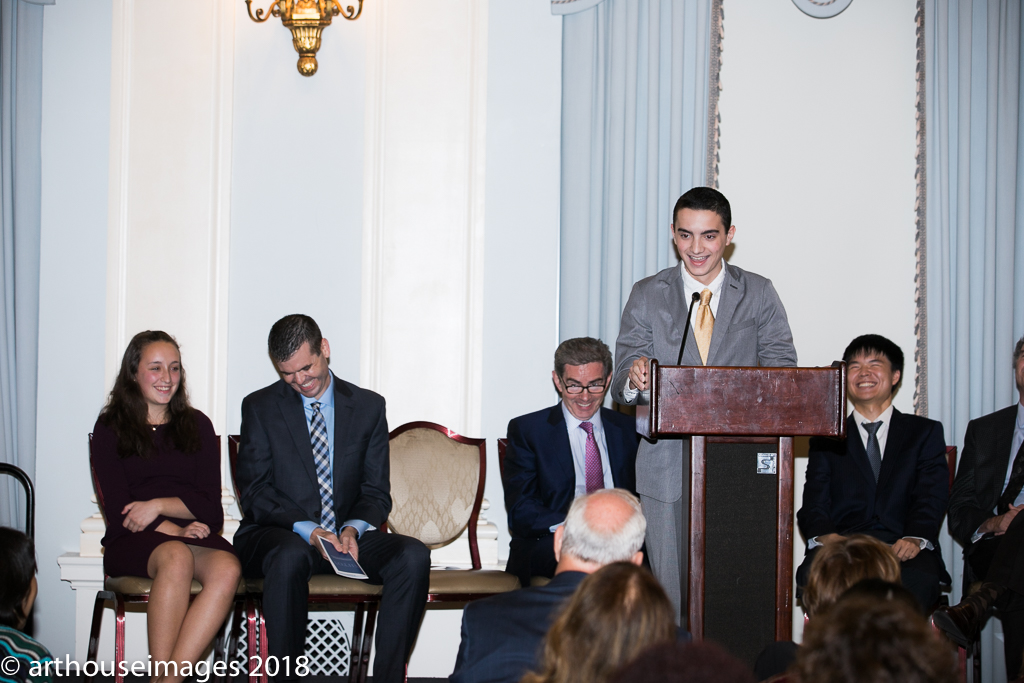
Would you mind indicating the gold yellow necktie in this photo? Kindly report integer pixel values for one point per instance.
(705, 325)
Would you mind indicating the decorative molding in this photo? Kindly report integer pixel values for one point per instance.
(117, 202)
(473, 339)
(921, 239)
(371, 318)
(220, 214)
(714, 90)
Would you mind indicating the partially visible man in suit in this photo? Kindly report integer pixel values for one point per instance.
(740, 322)
(559, 453)
(887, 479)
(313, 464)
(501, 635)
(983, 506)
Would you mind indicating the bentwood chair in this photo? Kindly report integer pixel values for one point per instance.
(124, 590)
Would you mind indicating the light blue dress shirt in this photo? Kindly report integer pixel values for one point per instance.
(326, 401)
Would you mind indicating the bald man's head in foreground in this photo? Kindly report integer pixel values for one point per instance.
(602, 527)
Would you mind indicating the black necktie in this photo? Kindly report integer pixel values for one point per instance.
(874, 452)
(1016, 483)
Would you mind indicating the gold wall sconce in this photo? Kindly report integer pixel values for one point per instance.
(306, 20)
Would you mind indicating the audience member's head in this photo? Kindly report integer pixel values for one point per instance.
(842, 563)
(17, 577)
(862, 639)
(614, 614)
(684, 663)
(602, 527)
(880, 589)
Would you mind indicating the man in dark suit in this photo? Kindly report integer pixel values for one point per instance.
(559, 453)
(887, 479)
(740, 322)
(313, 464)
(502, 635)
(983, 509)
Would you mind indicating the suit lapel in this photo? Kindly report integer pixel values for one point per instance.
(612, 438)
(731, 295)
(894, 443)
(1001, 442)
(855, 447)
(676, 307)
(295, 418)
(344, 413)
(560, 436)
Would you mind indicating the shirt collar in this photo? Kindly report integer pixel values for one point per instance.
(691, 284)
(1020, 416)
(573, 422)
(884, 418)
(326, 400)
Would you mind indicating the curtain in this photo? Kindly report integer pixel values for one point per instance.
(21, 47)
(975, 223)
(636, 79)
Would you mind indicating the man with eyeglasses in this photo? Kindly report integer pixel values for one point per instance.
(557, 454)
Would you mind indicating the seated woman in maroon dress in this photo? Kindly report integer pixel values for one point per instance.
(157, 461)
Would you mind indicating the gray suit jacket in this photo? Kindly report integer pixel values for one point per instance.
(751, 329)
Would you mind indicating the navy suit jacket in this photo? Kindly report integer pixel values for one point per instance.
(539, 477)
(910, 498)
(502, 634)
(276, 471)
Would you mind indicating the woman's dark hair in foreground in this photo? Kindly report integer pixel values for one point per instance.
(126, 411)
(614, 614)
(864, 639)
(684, 663)
(17, 567)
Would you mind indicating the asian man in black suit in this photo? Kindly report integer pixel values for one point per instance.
(501, 635)
(887, 479)
(983, 517)
(313, 463)
(559, 453)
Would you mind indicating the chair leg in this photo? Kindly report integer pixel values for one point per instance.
(233, 636)
(118, 637)
(364, 655)
(252, 643)
(264, 648)
(97, 623)
(355, 658)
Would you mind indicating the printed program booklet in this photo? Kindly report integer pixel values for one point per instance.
(343, 563)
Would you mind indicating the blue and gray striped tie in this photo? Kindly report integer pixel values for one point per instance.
(322, 458)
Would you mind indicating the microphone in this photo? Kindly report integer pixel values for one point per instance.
(686, 331)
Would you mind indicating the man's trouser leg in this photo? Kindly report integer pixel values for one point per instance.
(667, 548)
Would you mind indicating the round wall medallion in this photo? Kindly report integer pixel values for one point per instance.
(822, 9)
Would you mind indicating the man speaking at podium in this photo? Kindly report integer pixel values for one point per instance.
(739, 321)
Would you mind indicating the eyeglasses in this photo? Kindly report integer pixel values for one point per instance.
(591, 388)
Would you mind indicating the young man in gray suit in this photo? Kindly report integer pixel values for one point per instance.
(740, 322)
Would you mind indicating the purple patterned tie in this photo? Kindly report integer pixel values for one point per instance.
(594, 471)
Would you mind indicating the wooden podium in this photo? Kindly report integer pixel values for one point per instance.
(729, 405)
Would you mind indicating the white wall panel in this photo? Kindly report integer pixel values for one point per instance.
(170, 185)
(423, 225)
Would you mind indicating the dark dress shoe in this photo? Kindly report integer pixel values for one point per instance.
(960, 624)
